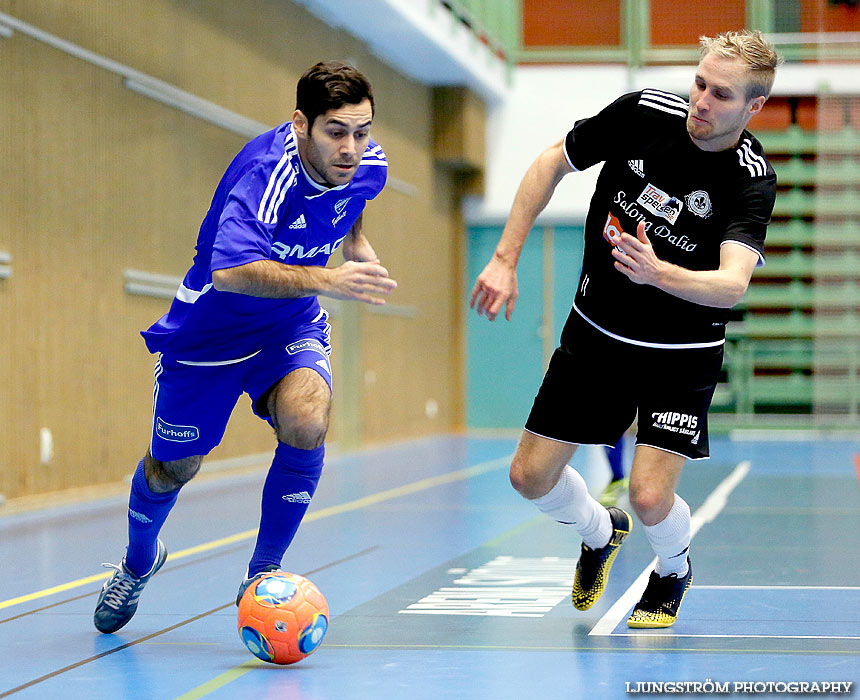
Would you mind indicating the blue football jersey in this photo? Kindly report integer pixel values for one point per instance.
(266, 207)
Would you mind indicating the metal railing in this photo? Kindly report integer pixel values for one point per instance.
(494, 22)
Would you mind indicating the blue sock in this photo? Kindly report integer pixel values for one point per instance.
(290, 484)
(615, 455)
(147, 512)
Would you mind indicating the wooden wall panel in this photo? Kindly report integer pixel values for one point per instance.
(417, 239)
(98, 179)
(459, 132)
(103, 180)
(571, 23)
(675, 23)
(410, 361)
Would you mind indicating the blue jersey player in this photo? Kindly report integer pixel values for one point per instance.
(246, 319)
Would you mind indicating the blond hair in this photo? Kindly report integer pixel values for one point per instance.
(754, 50)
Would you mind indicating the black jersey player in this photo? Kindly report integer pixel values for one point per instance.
(674, 231)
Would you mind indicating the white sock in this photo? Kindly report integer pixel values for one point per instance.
(570, 503)
(670, 539)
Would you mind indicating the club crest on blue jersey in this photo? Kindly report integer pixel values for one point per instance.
(340, 210)
(340, 205)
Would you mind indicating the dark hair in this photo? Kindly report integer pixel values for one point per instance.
(330, 85)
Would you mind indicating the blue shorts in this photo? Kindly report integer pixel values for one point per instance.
(192, 401)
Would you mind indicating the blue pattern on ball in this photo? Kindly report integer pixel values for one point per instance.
(275, 590)
(312, 635)
(257, 644)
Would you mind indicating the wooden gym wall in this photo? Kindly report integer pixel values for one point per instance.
(98, 179)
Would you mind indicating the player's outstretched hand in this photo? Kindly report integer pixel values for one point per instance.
(635, 257)
(496, 285)
(360, 281)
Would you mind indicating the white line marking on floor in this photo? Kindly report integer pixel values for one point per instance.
(645, 633)
(782, 588)
(709, 510)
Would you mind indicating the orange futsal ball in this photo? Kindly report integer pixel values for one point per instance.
(282, 618)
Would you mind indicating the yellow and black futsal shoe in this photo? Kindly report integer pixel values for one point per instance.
(659, 604)
(592, 569)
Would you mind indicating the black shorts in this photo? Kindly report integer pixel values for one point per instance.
(595, 386)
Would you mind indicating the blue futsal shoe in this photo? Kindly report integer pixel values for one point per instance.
(248, 581)
(119, 597)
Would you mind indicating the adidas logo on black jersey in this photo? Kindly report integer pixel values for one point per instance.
(637, 166)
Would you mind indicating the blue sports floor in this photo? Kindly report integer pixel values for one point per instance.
(443, 583)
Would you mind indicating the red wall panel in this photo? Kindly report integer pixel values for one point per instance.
(676, 23)
(821, 16)
(571, 23)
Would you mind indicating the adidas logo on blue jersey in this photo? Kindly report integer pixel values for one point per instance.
(299, 223)
(140, 517)
(300, 497)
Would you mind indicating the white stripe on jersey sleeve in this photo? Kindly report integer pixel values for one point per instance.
(281, 197)
(368, 161)
(677, 111)
(282, 170)
(273, 179)
(664, 101)
(667, 98)
(755, 163)
(367, 156)
(278, 196)
(372, 155)
(742, 161)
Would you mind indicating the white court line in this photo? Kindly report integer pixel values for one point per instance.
(730, 636)
(709, 510)
(781, 588)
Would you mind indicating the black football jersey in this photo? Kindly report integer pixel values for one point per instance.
(691, 201)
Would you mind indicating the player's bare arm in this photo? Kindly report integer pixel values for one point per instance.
(497, 284)
(356, 246)
(721, 288)
(355, 281)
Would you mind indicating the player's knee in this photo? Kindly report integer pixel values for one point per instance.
(162, 477)
(649, 503)
(306, 432)
(524, 480)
